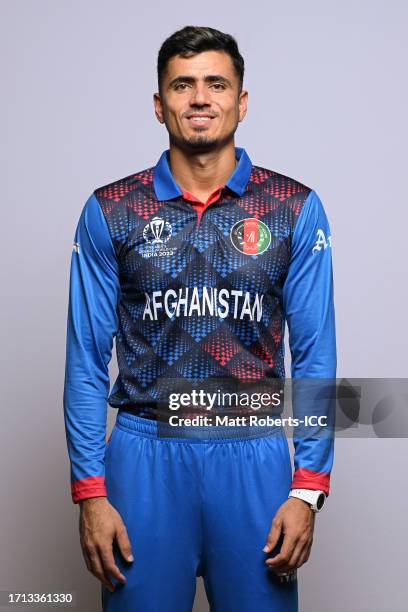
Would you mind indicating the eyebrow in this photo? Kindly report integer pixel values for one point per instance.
(211, 78)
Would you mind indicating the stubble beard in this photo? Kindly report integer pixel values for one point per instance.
(199, 142)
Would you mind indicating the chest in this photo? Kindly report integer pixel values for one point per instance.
(225, 248)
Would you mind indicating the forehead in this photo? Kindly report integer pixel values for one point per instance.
(201, 64)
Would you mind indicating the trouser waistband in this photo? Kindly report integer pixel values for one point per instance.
(152, 428)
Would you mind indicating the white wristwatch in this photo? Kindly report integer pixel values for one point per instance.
(316, 499)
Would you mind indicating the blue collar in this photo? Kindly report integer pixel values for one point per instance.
(166, 187)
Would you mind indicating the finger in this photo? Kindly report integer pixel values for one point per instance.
(86, 556)
(286, 551)
(88, 562)
(305, 557)
(298, 558)
(297, 554)
(97, 569)
(108, 563)
(124, 544)
(273, 535)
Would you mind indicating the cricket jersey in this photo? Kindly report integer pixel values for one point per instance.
(195, 291)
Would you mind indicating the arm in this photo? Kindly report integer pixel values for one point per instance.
(309, 306)
(309, 309)
(92, 323)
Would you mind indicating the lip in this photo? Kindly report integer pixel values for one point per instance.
(201, 120)
(197, 117)
(192, 115)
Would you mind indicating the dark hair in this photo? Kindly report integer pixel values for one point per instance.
(193, 39)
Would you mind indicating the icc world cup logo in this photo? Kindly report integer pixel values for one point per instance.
(157, 231)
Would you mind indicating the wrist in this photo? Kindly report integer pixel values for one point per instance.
(89, 501)
(299, 502)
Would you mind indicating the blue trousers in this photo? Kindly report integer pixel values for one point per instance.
(197, 506)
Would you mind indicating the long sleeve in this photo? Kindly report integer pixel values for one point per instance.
(91, 325)
(309, 309)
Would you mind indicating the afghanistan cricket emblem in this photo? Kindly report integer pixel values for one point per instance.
(250, 236)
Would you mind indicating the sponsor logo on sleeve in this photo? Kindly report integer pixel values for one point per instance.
(321, 241)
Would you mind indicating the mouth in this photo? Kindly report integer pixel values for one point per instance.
(200, 119)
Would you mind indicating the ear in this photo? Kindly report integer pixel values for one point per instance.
(243, 104)
(158, 107)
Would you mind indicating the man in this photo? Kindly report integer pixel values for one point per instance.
(194, 265)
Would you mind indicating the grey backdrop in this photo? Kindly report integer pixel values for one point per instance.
(327, 105)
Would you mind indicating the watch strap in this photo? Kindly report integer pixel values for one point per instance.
(315, 498)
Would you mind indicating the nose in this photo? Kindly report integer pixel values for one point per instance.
(200, 95)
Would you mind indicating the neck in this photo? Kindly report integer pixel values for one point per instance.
(202, 173)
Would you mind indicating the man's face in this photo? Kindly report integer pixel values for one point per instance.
(199, 101)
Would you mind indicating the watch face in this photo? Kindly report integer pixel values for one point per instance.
(320, 501)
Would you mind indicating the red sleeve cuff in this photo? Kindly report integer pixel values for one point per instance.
(92, 486)
(303, 478)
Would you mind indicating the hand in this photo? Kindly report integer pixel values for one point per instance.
(99, 524)
(295, 521)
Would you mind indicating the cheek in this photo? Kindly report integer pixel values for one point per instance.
(230, 108)
(172, 118)
(231, 115)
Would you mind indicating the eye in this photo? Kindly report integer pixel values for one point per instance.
(218, 86)
(180, 86)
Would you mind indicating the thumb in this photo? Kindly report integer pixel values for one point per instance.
(273, 535)
(123, 542)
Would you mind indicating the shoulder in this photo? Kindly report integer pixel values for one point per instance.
(280, 185)
(124, 189)
(291, 198)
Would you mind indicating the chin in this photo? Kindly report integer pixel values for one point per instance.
(197, 143)
(202, 141)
